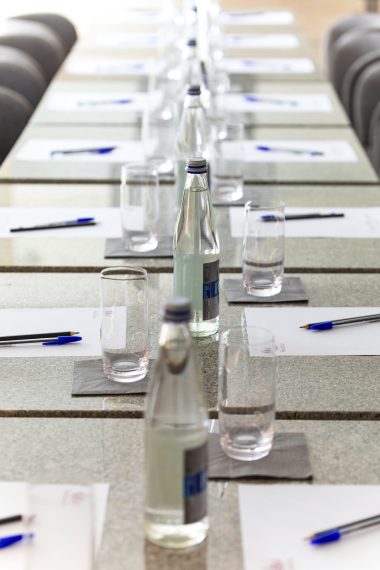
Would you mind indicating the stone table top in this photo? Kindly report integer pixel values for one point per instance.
(313, 387)
(303, 172)
(83, 451)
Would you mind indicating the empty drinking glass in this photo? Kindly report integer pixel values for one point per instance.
(139, 206)
(124, 327)
(246, 392)
(226, 163)
(158, 135)
(263, 249)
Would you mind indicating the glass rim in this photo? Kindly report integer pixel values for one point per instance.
(250, 206)
(147, 168)
(126, 273)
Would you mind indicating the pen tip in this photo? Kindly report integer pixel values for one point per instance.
(304, 326)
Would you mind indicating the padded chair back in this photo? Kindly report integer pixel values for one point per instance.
(15, 112)
(21, 73)
(340, 27)
(352, 79)
(60, 25)
(37, 40)
(373, 148)
(349, 48)
(367, 97)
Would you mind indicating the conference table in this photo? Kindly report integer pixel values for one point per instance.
(93, 437)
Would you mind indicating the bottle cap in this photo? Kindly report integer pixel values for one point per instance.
(194, 90)
(191, 43)
(177, 309)
(196, 165)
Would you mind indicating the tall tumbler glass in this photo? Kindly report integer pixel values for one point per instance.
(263, 248)
(158, 135)
(226, 163)
(124, 327)
(246, 392)
(139, 206)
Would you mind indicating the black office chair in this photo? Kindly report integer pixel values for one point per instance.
(15, 112)
(343, 25)
(21, 73)
(37, 40)
(60, 25)
(367, 97)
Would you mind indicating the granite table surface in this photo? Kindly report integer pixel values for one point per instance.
(119, 56)
(280, 115)
(86, 254)
(313, 387)
(84, 451)
(71, 171)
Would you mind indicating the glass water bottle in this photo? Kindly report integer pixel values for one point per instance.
(196, 251)
(176, 438)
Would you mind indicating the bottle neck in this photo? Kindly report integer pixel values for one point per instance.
(196, 182)
(192, 102)
(175, 343)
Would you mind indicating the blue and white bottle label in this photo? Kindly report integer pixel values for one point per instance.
(195, 484)
(210, 290)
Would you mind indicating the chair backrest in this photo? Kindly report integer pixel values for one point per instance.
(373, 148)
(15, 112)
(352, 79)
(367, 97)
(37, 40)
(350, 47)
(61, 26)
(21, 73)
(340, 27)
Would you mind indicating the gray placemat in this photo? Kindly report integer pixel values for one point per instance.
(291, 292)
(89, 380)
(289, 459)
(115, 249)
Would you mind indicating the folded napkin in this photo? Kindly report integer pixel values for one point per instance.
(292, 291)
(89, 380)
(289, 459)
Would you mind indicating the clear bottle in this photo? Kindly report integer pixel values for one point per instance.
(176, 438)
(196, 251)
(192, 139)
(192, 73)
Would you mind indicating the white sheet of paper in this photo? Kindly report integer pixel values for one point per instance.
(110, 101)
(14, 500)
(295, 151)
(108, 222)
(357, 223)
(133, 40)
(41, 149)
(276, 518)
(99, 507)
(46, 502)
(258, 18)
(28, 321)
(275, 103)
(63, 528)
(255, 66)
(291, 340)
(261, 41)
(133, 16)
(82, 66)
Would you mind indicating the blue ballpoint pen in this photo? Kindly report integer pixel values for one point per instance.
(327, 325)
(6, 541)
(255, 99)
(100, 150)
(334, 534)
(265, 148)
(105, 102)
(64, 224)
